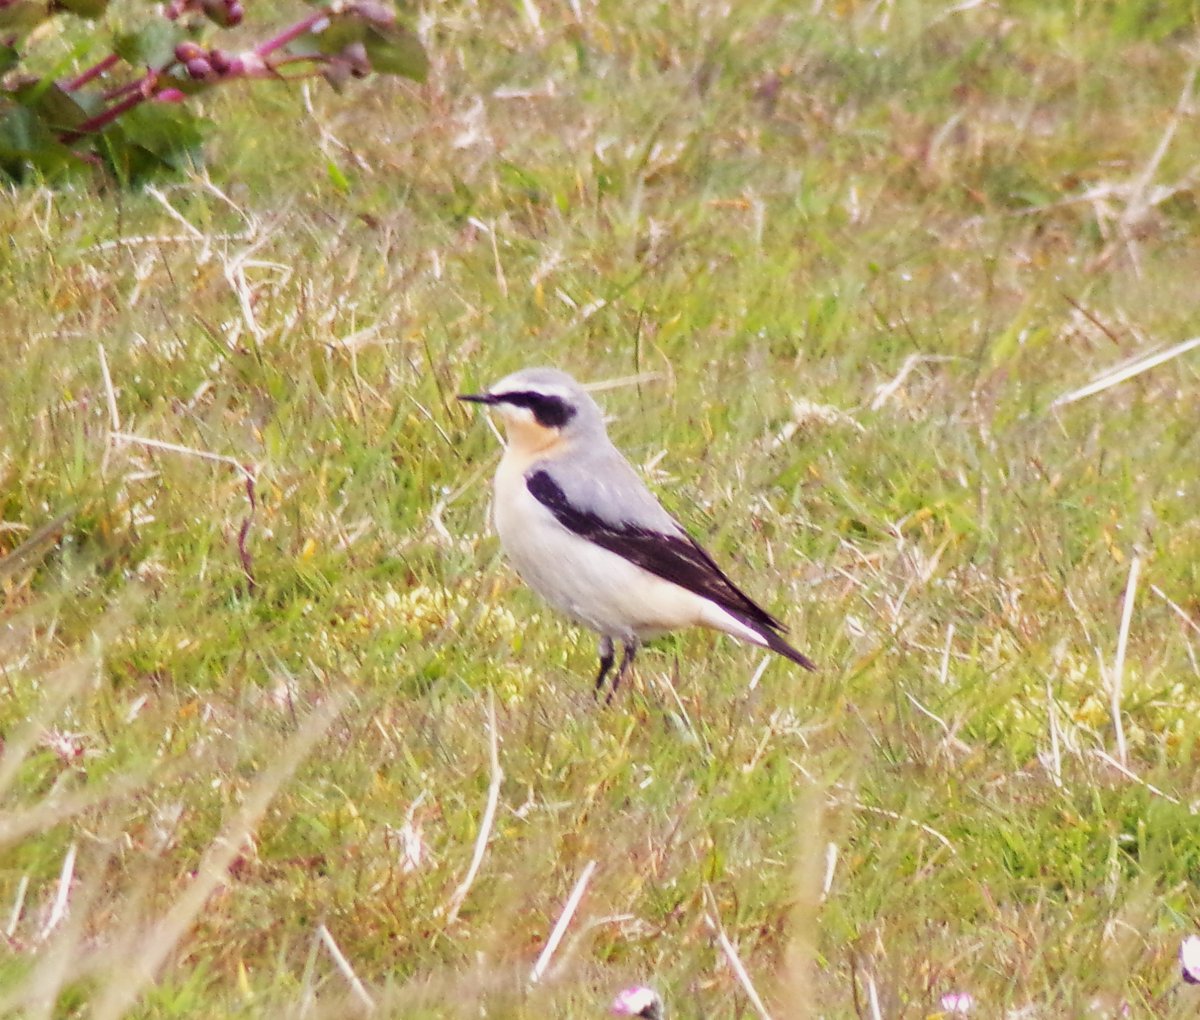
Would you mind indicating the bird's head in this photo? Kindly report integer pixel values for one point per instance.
(541, 407)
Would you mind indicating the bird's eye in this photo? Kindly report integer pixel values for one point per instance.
(551, 412)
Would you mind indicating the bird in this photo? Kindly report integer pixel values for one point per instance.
(583, 531)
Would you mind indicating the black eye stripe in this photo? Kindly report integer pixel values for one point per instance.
(551, 412)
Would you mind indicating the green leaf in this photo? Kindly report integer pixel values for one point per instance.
(169, 132)
(338, 179)
(306, 45)
(391, 49)
(57, 108)
(9, 57)
(153, 45)
(396, 50)
(28, 145)
(130, 163)
(21, 131)
(340, 32)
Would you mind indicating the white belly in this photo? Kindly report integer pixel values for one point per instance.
(593, 586)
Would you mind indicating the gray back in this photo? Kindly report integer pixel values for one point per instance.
(591, 472)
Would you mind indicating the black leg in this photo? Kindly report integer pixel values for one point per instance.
(631, 648)
(606, 662)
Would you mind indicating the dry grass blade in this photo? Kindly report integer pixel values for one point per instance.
(140, 965)
(600, 385)
(33, 547)
(1139, 200)
(485, 823)
(1117, 677)
(65, 955)
(218, 458)
(1128, 773)
(14, 917)
(885, 391)
(114, 416)
(188, 451)
(873, 998)
(1055, 741)
(1125, 371)
(712, 919)
(1176, 608)
(20, 823)
(58, 909)
(895, 815)
(339, 958)
(560, 926)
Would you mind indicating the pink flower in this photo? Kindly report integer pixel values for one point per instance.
(957, 1003)
(640, 1002)
(1189, 959)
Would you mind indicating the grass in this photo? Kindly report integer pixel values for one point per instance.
(860, 250)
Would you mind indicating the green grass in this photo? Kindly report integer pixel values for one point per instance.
(766, 208)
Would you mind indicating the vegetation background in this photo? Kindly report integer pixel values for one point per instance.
(907, 286)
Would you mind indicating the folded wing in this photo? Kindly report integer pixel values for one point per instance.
(674, 556)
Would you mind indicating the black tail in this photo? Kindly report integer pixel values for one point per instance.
(777, 644)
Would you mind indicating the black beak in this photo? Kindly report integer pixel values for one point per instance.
(478, 398)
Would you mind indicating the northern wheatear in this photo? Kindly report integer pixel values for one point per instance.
(586, 534)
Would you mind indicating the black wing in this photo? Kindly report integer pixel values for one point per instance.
(676, 558)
